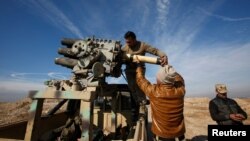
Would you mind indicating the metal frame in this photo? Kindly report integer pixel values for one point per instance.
(87, 97)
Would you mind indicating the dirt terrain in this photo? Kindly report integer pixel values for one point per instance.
(196, 114)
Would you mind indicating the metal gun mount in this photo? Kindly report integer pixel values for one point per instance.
(96, 110)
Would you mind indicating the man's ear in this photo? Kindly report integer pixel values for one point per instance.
(178, 84)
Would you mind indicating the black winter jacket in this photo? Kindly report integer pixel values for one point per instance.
(220, 109)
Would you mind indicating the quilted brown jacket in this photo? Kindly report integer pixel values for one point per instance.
(167, 104)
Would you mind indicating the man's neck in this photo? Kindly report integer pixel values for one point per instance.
(221, 96)
(136, 42)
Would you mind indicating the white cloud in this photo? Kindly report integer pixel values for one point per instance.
(202, 69)
(174, 32)
(214, 63)
(19, 86)
(162, 7)
(204, 66)
(54, 15)
(26, 81)
(39, 77)
(60, 76)
(11, 90)
(224, 18)
(180, 25)
(146, 12)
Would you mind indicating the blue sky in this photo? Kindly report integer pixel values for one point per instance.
(208, 42)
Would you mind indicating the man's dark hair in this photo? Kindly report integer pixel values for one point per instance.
(130, 34)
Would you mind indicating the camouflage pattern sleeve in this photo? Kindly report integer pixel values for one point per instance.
(152, 50)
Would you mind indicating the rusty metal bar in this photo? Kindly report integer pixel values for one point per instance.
(86, 114)
(58, 106)
(137, 131)
(34, 120)
(54, 94)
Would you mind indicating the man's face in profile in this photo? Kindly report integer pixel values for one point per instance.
(130, 41)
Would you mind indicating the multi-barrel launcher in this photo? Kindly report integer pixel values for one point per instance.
(96, 110)
(98, 57)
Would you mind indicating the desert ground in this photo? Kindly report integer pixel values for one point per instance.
(196, 114)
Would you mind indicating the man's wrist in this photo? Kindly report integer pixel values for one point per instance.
(139, 70)
(140, 65)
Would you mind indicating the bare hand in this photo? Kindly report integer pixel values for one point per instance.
(235, 117)
(136, 59)
(138, 62)
(164, 60)
(240, 116)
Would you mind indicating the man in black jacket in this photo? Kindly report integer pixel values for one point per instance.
(225, 111)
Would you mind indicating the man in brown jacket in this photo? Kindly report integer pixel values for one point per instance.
(135, 47)
(167, 103)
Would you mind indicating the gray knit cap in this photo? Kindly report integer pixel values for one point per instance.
(166, 74)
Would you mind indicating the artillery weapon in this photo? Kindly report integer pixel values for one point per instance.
(96, 110)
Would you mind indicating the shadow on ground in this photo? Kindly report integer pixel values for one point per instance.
(195, 138)
(199, 138)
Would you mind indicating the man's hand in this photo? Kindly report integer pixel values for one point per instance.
(140, 68)
(237, 117)
(240, 116)
(164, 60)
(137, 61)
